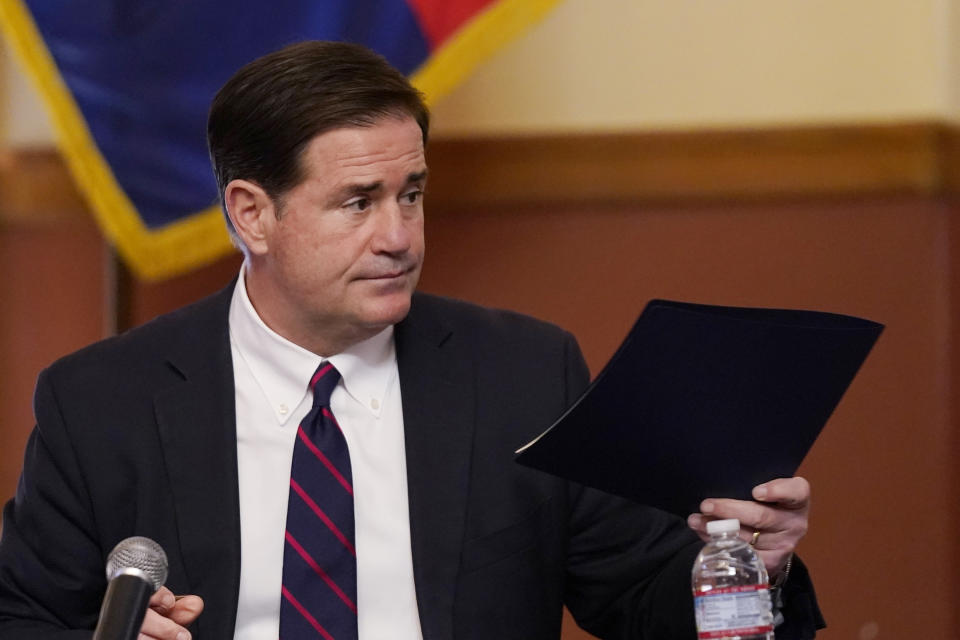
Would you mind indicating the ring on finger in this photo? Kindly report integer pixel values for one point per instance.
(754, 538)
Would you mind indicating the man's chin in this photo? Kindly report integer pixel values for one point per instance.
(387, 310)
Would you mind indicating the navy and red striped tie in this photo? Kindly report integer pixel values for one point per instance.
(319, 591)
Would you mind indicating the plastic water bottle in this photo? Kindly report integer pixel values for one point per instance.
(730, 588)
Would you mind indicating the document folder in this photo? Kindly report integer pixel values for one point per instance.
(705, 401)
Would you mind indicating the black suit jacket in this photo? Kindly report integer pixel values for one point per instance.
(136, 436)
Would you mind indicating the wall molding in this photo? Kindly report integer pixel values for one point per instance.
(697, 166)
(919, 158)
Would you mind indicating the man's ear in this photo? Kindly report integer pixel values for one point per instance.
(252, 213)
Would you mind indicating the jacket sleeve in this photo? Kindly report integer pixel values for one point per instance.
(51, 567)
(801, 613)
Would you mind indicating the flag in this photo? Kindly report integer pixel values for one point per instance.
(128, 84)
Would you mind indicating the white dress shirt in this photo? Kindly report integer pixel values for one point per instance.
(271, 376)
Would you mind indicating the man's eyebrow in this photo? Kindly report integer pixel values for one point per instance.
(371, 187)
(362, 188)
(355, 189)
(417, 177)
(351, 190)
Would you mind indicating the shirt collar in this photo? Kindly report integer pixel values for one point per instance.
(283, 369)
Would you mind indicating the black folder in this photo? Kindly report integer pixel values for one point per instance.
(704, 401)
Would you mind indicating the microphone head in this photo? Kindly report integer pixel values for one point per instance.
(140, 554)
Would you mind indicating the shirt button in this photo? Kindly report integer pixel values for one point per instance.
(374, 404)
(284, 409)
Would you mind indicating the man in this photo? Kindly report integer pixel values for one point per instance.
(184, 430)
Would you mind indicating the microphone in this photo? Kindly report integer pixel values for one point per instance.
(136, 568)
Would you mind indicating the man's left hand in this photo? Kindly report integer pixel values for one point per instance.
(779, 515)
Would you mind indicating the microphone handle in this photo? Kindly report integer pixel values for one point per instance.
(124, 607)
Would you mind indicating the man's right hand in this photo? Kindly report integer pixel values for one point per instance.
(168, 616)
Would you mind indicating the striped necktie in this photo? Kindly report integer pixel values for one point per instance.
(319, 592)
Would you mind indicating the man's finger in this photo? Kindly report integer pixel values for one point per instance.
(749, 513)
(186, 610)
(162, 601)
(792, 493)
(698, 522)
(157, 627)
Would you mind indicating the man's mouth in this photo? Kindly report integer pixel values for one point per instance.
(389, 275)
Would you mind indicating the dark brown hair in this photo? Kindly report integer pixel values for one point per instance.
(262, 119)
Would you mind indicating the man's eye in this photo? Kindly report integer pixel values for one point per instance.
(411, 197)
(358, 204)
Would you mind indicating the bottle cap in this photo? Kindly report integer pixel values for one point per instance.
(723, 526)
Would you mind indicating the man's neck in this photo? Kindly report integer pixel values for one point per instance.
(323, 339)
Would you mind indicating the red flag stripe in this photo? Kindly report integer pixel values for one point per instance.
(306, 614)
(320, 572)
(320, 514)
(325, 461)
(440, 19)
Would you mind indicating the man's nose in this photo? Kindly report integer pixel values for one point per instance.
(394, 230)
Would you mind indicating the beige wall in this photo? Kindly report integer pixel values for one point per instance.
(23, 121)
(646, 64)
(950, 54)
(622, 64)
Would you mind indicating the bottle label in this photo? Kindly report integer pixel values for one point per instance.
(733, 611)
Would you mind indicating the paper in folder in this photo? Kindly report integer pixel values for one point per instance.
(705, 402)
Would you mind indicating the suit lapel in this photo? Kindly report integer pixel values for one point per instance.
(197, 427)
(437, 388)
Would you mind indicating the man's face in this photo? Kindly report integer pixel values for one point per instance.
(342, 260)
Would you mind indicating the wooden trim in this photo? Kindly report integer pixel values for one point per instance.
(695, 166)
(948, 157)
(920, 158)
